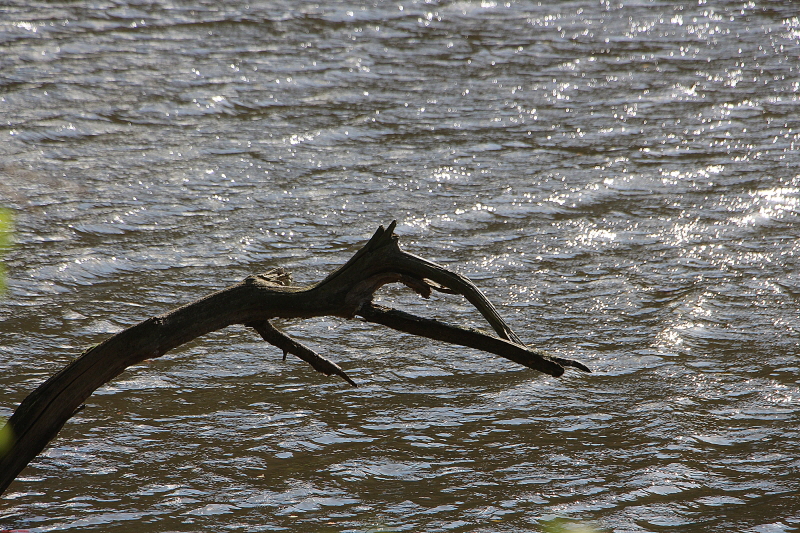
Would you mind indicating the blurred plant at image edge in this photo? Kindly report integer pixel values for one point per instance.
(6, 239)
(562, 525)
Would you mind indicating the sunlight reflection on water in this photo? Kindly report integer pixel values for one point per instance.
(621, 179)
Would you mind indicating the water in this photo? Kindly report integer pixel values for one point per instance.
(620, 178)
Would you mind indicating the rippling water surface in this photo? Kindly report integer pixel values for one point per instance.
(621, 178)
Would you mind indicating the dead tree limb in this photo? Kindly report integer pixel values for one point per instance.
(347, 292)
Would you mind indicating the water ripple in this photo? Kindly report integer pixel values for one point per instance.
(620, 178)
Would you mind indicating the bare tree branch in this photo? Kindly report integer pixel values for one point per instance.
(346, 292)
(277, 338)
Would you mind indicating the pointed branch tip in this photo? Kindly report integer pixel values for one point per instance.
(274, 336)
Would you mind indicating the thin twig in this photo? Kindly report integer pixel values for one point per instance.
(278, 338)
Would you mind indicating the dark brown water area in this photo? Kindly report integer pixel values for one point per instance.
(621, 178)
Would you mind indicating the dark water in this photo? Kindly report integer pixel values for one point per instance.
(621, 178)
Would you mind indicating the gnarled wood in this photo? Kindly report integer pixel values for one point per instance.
(347, 292)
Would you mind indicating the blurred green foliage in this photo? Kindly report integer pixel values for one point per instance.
(562, 525)
(6, 240)
(6, 437)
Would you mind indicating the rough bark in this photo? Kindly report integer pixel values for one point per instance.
(347, 292)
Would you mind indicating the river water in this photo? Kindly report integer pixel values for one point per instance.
(620, 178)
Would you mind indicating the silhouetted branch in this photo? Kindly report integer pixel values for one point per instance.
(346, 292)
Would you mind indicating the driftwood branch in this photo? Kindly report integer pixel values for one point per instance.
(347, 292)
